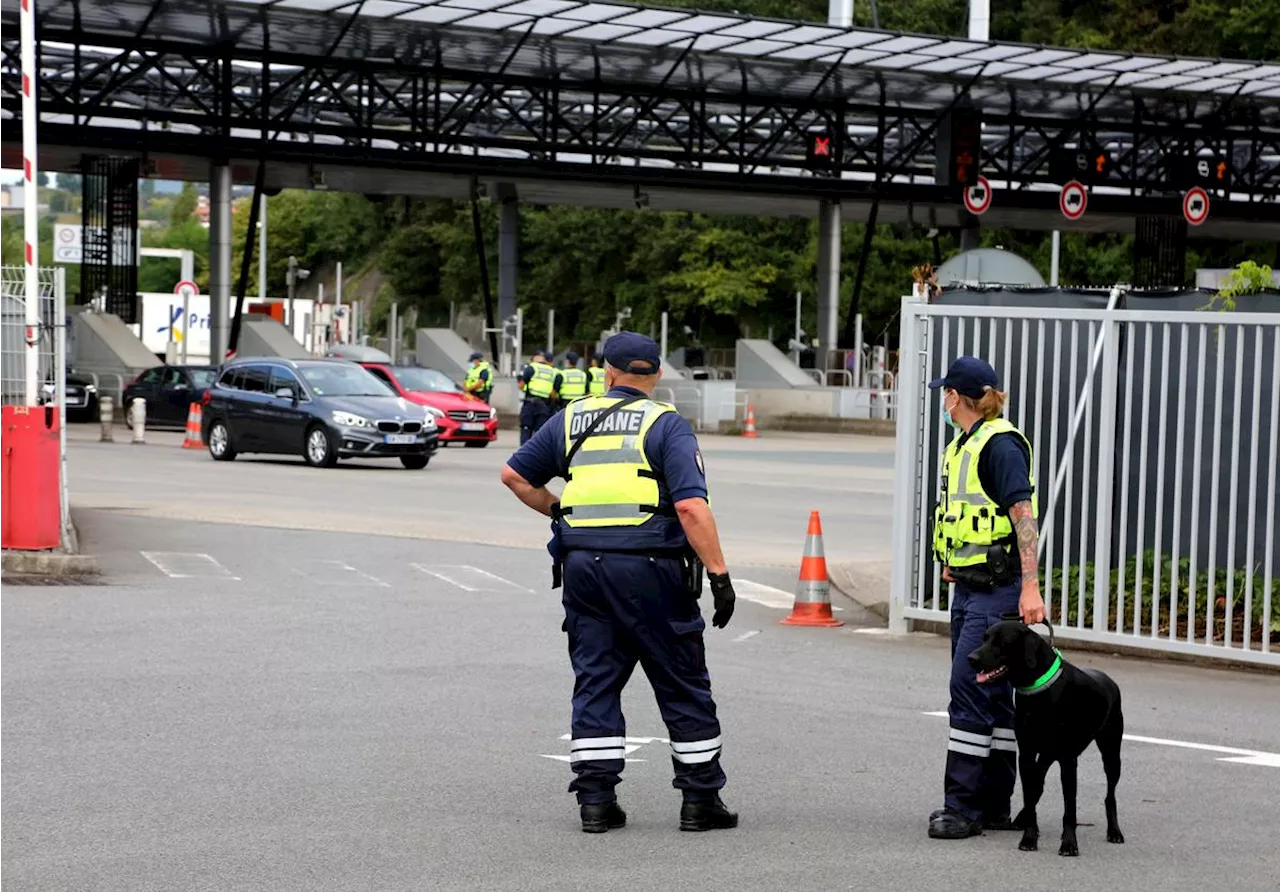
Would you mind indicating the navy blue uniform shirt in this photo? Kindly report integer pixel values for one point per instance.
(672, 451)
(1004, 469)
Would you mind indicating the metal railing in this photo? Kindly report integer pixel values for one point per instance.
(735, 406)
(686, 398)
(1165, 533)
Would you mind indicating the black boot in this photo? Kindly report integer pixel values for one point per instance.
(706, 814)
(602, 817)
(948, 824)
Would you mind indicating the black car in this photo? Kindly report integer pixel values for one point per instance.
(82, 396)
(321, 409)
(169, 391)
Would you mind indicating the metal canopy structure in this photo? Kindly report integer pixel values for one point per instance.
(622, 96)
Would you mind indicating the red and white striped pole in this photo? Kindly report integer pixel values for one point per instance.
(31, 201)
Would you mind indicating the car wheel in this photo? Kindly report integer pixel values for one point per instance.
(318, 449)
(220, 442)
(477, 444)
(415, 462)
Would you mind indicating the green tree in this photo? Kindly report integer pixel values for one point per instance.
(184, 206)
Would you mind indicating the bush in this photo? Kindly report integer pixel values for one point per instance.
(1163, 618)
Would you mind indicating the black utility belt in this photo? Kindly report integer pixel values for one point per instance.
(658, 553)
(999, 570)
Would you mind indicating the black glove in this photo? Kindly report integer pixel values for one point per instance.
(723, 596)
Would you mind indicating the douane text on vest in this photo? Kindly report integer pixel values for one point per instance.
(626, 421)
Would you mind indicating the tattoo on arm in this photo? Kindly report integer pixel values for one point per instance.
(1024, 524)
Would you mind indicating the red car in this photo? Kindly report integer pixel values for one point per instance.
(460, 418)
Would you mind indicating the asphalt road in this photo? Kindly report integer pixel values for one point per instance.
(249, 707)
(762, 492)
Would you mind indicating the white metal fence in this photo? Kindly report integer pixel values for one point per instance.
(13, 335)
(51, 385)
(1165, 533)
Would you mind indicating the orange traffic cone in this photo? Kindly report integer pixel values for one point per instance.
(195, 417)
(813, 591)
(750, 431)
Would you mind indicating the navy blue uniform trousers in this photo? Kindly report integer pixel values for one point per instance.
(981, 752)
(623, 609)
(534, 413)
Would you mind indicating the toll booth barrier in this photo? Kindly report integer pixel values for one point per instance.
(30, 470)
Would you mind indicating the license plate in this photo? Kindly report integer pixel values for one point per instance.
(401, 439)
(471, 427)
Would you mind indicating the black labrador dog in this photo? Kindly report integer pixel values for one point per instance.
(1059, 710)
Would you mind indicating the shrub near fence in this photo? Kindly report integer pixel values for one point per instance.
(1152, 613)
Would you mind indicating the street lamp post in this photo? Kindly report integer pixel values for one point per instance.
(292, 276)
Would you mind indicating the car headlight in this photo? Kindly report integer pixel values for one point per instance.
(429, 422)
(346, 419)
(433, 412)
(493, 413)
(91, 388)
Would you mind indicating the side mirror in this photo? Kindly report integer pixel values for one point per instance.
(287, 393)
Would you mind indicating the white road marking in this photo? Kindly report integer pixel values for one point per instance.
(1237, 755)
(764, 595)
(872, 630)
(188, 565)
(337, 573)
(632, 744)
(745, 635)
(470, 579)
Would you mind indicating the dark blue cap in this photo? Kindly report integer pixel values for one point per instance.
(627, 348)
(968, 375)
(571, 356)
(477, 355)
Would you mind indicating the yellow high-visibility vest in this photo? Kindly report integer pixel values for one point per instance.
(574, 385)
(473, 383)
(968, 521)
(610, 481)
(543, 383)
(596, 387)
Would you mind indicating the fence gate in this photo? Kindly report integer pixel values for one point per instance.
(1165, 533)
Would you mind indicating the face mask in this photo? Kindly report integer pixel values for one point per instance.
(946, 414)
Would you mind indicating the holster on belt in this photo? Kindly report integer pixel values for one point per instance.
(997, 572)
(692, 571)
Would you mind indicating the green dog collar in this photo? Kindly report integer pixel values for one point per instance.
(1043, 683)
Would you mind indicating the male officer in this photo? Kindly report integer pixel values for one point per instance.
(628, 525)
(479, 380)
(541, 383)
(985, 537)
(596, 386)
(574, 386)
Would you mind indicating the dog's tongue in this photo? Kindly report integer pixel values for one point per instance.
(984, 677)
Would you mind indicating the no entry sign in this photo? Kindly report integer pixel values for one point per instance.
(1195, 206)
(1072, 200)
(977, 198)
(186, 288)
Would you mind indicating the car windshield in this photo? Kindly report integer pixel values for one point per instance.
(425, 380)
(203, 378)
(341, 379)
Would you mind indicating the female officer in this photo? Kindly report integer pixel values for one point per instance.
(986, 538)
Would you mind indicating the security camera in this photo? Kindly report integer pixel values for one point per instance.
(688, 331)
